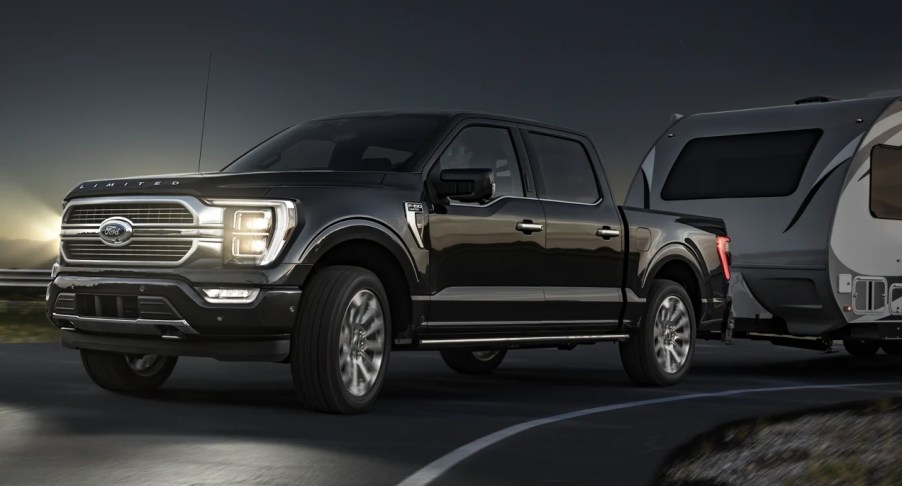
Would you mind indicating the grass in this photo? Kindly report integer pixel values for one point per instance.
(23, 321)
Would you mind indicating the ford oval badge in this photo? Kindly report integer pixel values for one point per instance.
(115, 232)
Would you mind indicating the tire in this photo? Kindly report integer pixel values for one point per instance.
(892, 348)
(473, 362)
(861, 348)
(655, 354)
(343, 330)
(129, 373)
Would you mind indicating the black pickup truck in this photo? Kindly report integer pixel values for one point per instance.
(339, 240)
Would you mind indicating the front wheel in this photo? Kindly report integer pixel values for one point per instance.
(660, 351)
(892, 348)
(473, 362)
(136, 373)
(341, 343)
(860, 347)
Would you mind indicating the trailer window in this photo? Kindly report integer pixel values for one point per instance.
(886, 172)
(755, 165)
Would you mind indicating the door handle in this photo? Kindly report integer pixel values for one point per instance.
(529, 227)
(606, 232)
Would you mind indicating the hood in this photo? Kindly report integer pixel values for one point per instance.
(223, 184)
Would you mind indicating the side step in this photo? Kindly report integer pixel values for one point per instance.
(526, 340)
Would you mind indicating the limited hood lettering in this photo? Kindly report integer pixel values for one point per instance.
(112, 185)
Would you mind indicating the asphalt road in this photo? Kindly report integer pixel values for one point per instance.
(239, 423)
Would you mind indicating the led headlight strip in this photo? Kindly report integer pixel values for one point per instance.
(257, 230)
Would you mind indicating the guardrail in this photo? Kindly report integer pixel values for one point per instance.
(24, 278)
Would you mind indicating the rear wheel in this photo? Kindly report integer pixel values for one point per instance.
(861, 347)
(892, 348)
(660, 351)
(342, 340)
(473, 362)
(127, 372)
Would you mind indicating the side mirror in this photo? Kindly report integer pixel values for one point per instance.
(466, 185)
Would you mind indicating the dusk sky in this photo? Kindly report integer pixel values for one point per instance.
(102, 90)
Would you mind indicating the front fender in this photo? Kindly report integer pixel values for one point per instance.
(362, 229)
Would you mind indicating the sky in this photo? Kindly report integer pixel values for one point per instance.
(101, 90)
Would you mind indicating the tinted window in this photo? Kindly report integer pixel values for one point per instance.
(566, 169)
(886, 172)
(366, 143)
(757, 165)
(486, 148)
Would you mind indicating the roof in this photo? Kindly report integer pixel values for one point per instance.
(456, 114)
(823, 108)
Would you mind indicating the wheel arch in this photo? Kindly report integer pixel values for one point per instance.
(371, 245)
(677, 263)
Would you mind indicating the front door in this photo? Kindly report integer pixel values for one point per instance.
(486, 259)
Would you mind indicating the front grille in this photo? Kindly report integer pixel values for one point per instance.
(146, 213)
(168, 251)
(166, 231)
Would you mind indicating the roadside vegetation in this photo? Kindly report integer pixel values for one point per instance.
(22, 318)
(860, 444)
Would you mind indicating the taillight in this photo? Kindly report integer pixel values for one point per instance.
(723, 251)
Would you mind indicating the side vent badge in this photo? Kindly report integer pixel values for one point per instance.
(416, 220)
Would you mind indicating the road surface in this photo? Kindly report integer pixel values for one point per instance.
(219, 423)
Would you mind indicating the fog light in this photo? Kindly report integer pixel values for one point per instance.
(229, 296)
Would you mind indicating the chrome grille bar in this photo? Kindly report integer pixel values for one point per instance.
(160, 213)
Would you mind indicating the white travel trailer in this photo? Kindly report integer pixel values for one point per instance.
(812, 197)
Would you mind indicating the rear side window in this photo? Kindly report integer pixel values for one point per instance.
(566, 169)
(756, 165)
(886, 172)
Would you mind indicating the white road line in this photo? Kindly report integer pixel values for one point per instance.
(440, 466)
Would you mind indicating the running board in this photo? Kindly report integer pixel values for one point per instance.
(530, 339)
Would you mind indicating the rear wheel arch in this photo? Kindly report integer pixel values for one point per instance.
(676, 263)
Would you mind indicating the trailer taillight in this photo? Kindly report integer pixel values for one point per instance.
(723, 251)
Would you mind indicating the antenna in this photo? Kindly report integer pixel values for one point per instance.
(203, 123)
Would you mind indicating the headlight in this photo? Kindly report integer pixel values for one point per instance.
(256, 231)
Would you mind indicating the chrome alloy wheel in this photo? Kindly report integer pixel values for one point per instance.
(361, 343)
(145, 364)
(485, 355)
(672, 334)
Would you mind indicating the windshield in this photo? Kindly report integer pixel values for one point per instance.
(388, 143)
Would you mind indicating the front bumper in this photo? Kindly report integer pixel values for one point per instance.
(162, 316)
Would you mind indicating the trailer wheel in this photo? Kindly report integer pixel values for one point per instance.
(133, 373)
(473, 362)
(341, 342)
(860, 347)
(660, 351)
(892, 348)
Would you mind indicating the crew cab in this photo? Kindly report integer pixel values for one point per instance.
(340, 240)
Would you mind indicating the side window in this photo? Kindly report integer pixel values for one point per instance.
(486, 148)
(566, 169)
(732, 166)
(886, 171)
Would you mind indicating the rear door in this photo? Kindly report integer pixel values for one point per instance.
(486, 259)
(583, 271)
